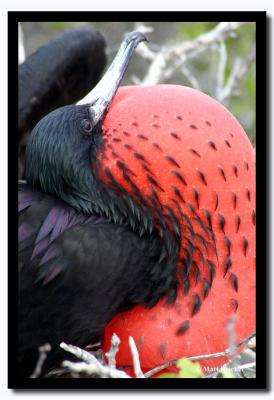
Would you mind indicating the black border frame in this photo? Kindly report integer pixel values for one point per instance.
(261, 381)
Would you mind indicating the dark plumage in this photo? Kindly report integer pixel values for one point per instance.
(86, 250)
(76, 272)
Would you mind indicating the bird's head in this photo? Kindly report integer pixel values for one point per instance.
(62, 153)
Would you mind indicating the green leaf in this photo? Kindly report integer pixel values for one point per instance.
(58, 26)
(168, 375)
(191, 30)
(226, 373)
(189, 369)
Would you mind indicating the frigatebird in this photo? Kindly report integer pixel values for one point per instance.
(87, 250)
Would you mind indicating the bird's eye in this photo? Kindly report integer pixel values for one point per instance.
(87, 126)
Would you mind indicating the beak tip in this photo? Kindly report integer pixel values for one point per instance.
(136, 37)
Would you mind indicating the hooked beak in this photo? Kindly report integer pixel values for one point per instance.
(102, 95)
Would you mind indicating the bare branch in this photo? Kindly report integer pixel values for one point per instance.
(234, 364)
(145, 52)
(102, 371)
(135, 357)
(157, 68)
(43, 350)
(80, 353)
(239, 69)
(114, 348)
(141, 27)
(221, 69)
(247, 339)
(252, 343)
(231, 336)
(91, 366)
(248, 365)
(193, 81)
(180, 52)
(135, 80)
(93, 345)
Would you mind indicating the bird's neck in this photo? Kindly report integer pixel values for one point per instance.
(84, 190)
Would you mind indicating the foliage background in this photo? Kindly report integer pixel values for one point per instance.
(203, 67)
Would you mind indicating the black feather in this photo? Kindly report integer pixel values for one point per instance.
(245, 245)
(206, 287)
(228, 265)
(222, 222)
(183, 328)
(234, 281)
(196, 305)
(228, 245)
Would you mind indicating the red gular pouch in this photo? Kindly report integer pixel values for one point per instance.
(195, 167)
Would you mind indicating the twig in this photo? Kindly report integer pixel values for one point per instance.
(231, 336)
(247, 339)
(193, 81)
(43, 350)
(248, 365)
(160, 368)
(221, 69)
(93, 345)
(156, 70)
(180, 52)
(141, 27)
(239, 69)
(252, 343)
(102, 371)
(91, 366)
(135, 357)
(135, 80)
(111, 354)
(80, 353)
(232, 345)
